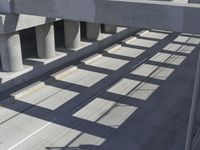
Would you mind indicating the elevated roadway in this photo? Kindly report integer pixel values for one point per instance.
(171, 16)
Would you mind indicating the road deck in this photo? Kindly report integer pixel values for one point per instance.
(134, 97)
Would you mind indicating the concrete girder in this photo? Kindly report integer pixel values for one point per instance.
(12, 22)
(177, 17)
(194, 1)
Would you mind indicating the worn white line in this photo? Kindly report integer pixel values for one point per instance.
(26, 138)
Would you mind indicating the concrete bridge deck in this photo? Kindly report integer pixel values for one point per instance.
(135, 95)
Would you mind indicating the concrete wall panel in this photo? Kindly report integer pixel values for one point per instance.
(131, 13)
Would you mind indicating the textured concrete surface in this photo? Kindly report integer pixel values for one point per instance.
(134, 97)
(11, 55)
(45, 37)
(93, 31)
(6, 5)
(110, 29)
(163, 15)
(35, 67)
(12, 22)
(72, 32)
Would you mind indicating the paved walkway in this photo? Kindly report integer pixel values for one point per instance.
(134, 97)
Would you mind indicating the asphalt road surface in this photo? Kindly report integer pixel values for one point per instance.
(136, 97)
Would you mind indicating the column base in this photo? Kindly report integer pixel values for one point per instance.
(72, 34)
(110, 29)
(45, 41)
(11, 55)
(93, 31)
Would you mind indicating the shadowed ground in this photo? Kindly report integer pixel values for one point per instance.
(135, 97)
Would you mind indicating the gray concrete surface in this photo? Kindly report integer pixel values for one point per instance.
(72, 34)
(5, 6)
(93, 31)
(110, 29)
(194, 1)
(11, 55)
(135, 97)
(13, 22)
(163, 15)
(34, 67)
(45, 41)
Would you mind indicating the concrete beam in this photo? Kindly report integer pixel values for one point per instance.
(194, 1)
(178, 17)
(6, 5)
(11, 23)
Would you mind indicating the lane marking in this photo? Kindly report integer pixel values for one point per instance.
(26, 138)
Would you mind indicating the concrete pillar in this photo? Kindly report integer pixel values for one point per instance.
(45, 41)
(93, 31)
(111, 29)
(11, 55)
(72, 34)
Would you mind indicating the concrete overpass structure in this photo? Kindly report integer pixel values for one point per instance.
(173, 16)
(11, 24)
(176, 16)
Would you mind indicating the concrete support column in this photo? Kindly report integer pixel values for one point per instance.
(45, 41)
(11, 55)
(72, 34)
(93, 31)
(111, 29)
